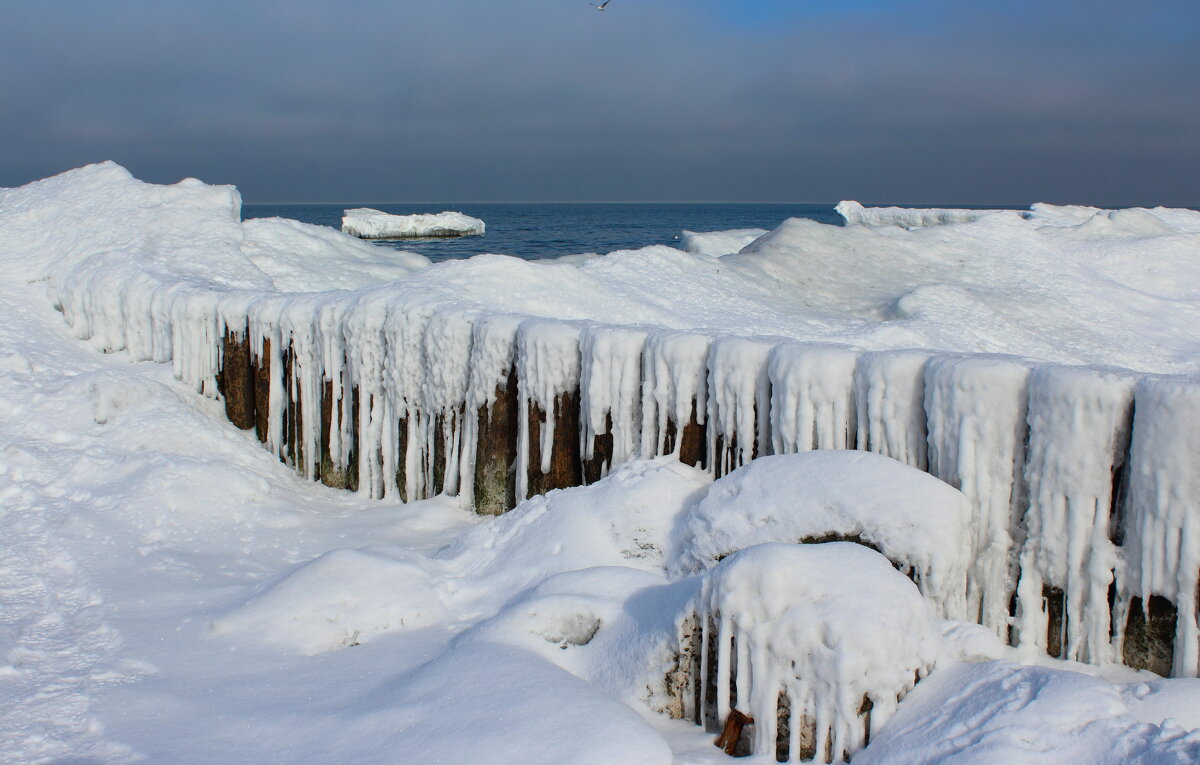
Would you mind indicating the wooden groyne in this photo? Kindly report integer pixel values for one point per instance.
(1084, 481)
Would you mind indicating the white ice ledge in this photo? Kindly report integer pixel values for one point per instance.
(367, 223)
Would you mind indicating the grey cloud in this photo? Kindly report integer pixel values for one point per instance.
(546, 99)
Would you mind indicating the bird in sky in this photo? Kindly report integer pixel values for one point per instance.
(601, 6)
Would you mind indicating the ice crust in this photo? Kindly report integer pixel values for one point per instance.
(367, 223)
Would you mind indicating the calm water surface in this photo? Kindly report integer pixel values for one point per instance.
(533, 231)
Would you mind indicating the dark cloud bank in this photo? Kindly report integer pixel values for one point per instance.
(918, 102)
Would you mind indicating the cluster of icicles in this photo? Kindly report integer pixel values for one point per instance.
(1073, 491)
(817, 644)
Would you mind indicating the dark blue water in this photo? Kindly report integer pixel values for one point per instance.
(533, 231)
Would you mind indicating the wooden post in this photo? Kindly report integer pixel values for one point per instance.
(236, 378)
(1150, 637)
(565, 466)
(262, 390)
(496, 451)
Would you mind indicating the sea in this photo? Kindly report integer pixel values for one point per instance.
(548, 230)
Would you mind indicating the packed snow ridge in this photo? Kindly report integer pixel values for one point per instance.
(366, 223)
(136, 517)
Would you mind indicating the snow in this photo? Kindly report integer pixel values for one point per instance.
(718, 243)
(827, 626)
(915, 520)
(173, 592)
(367, 223)
(1004, 712)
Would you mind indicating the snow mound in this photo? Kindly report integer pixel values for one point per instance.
(718, 243)
(915, 520)
(626, 519)
(300, 257)
(367, 223)
(831, 627)
(1003, 712)
(342, 598)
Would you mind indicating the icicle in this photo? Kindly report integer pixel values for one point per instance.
(827, 625)
(493, 357)
(610, 383)
(367, 348)
(674, 385)
(890, 392)
(739, 401)
(1162, 529)
(976, 409)
(1079, 422)
(402, 399)
(812, 397)
(448, 358)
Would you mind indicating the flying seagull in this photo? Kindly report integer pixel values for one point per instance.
(600, 7)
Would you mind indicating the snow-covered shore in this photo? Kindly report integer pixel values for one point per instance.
(179, 595)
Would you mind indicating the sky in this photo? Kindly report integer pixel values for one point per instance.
(917, 101)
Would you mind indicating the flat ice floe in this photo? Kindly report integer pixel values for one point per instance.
(176, 594)
(367, 223)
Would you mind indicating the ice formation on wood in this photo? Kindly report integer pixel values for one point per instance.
(675, 395)
(817, 644)
(976, 408)
(1162, 528)
(1079, 424)
(739, 401)
(889, 388)
(812, 397)
(367, 223)
(610, 396)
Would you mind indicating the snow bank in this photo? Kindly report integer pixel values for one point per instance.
(300, 257)
(342, 598)
(830, 632)
(367, 223)
(915, 520)
(718, 243)
(1003, 712)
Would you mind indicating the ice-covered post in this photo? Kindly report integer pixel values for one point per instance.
(236, 377)
(1162, 530)
(812, 397)
(1079, 428)
(610, 387)
(976, 409)
(548, 364)
(739, 401)
(817, 644)
(490, 436)
(889, 389)
(675, 396)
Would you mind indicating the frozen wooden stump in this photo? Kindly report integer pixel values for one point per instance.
(235, 380)
(816, 644)
(496, 451)
(564, 459)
